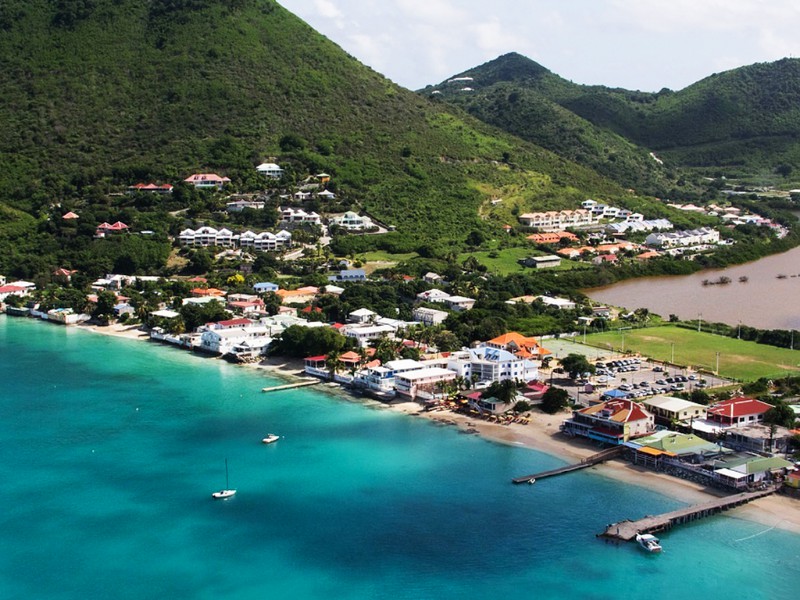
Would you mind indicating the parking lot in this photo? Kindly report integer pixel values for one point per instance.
(634, 379)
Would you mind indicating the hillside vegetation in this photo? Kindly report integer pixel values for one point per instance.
(100, 94)
(742, 122)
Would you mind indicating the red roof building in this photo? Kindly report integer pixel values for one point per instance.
(231, 323)
(70, 215)
(207, 180)
(611, 422)
(151, 187)
(738, 411)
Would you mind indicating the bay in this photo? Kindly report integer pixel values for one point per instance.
(112, 447)
(766, 300)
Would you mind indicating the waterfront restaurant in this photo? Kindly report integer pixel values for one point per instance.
(423, 383)
(610, 422)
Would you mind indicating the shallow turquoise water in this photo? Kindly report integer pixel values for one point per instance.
(111, 449)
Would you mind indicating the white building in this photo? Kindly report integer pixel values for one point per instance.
(353, 221)
(491, 364)
(459, 303)
(225, 238)
(293, 216)
(270, 170)
(433, 295)
(559, 303)
(637, 226)
(430, 316)
(557, 220)
(675, 239)
(265, 241)
(240, 205)
(423, 383)
(224, 341)
(365, 333)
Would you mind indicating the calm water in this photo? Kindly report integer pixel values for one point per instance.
(112, 447)
(765, 301)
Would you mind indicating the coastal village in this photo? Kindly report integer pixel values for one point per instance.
(626, 402)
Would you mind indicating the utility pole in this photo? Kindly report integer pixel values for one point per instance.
(672, 359)
(739, 331)
(717, 364)
(699, 321)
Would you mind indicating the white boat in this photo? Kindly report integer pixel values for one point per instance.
(271, 437)
(649, 542)
(227, 492)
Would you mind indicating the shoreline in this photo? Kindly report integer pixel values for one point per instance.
(540, 434)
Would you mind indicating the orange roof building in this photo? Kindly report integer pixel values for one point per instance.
(519, 345)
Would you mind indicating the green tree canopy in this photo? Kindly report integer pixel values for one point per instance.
(575, 364)
(554, 400)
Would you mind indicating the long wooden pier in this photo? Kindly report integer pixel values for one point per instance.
(586, 462)
(290, 386)
(627, 530)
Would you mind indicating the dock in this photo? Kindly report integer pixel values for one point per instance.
(291, 386)
(626, 530)
(589, 461)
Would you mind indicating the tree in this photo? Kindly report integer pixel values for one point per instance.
(780, 414)
(104, 308)
(333, 363)
(700, 397)
(505, 390)
(575, 364)
(554, 400)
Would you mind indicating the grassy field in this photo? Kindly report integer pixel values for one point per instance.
(738, 359)
(504, 262)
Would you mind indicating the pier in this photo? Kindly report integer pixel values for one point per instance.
(589, 461)
(290, 386)
(626, 530)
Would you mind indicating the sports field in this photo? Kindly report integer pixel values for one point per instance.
(736, 359)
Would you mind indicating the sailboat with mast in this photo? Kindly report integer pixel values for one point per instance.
(227, 492)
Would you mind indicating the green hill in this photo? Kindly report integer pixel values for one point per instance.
(100, 94)
(741, 122)
(522, 97)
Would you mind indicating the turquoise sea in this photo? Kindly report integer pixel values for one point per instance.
(112, 447)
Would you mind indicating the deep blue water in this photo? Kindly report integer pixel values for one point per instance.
(112, 447)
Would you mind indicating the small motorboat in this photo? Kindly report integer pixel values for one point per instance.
(648, 542)
(531, 481)
(271, 438)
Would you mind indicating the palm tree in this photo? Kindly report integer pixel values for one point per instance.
(333, 363)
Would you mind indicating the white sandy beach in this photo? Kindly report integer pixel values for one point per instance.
(542, 433)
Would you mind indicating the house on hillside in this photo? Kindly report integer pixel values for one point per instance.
(207, 181)
(153, 188)
(430, 316)
(270, 170)
(349, 275)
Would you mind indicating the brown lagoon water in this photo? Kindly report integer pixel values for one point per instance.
(764, 301)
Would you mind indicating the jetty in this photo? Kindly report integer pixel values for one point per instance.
(589, 461)
(626, 530)
(290, 386)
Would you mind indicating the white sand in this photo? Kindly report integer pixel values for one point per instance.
(542, 433)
